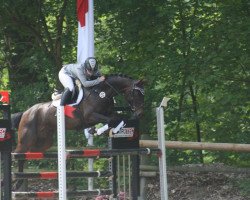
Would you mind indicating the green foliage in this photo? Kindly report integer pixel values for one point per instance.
(4, 79)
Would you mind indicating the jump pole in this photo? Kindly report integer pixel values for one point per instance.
(61, 153)
(197, 146)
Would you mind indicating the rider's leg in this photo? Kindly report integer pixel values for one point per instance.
(68, 84)
(66, 97)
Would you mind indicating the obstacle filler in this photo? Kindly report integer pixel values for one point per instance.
(5, 145)
(123, 143)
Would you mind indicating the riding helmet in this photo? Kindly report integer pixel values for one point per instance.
(91, 64)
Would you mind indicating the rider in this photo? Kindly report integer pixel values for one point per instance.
(88, 74)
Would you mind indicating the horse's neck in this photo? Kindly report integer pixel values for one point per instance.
(119, 83)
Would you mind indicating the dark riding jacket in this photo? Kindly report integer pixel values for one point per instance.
(78, 71)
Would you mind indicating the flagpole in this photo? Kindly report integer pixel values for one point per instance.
(85, 49)
(85, 43)
(91, 51)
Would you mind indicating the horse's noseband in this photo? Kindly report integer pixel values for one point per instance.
(140, 89)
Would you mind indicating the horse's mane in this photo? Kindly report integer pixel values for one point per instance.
(118, 75)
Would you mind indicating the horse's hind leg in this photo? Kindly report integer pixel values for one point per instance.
(20, 185)
(43, 143)
(26, 138)
(27, 135)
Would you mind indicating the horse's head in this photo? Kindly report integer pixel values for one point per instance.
(135, 97)
(132, 90)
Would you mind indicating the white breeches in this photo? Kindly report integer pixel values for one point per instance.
(66, 80)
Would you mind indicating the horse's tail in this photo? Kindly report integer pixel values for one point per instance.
(15, 120)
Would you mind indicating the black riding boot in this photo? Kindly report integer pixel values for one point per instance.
(66, 97)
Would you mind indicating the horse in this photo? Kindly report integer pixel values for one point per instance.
(38, 124)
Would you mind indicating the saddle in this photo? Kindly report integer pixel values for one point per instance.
(77, 96)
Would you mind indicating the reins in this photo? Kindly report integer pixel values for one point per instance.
(132, 91)
(117, 92)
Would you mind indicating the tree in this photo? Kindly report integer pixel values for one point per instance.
(36, 37)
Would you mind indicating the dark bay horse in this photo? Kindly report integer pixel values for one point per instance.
(38, 124)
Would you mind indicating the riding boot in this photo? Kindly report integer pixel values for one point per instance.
(66, 97)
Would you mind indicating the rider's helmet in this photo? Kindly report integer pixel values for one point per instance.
(91, 65)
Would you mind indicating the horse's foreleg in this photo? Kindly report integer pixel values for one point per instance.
(96, 118)
(99, 118)
(105, 119)
(106, 127)
(101, 130)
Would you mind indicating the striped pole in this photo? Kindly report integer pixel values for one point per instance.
(86, 153)
(54, 175)
(61, 153)
(54, 194)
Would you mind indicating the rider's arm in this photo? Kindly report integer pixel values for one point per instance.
(82, 77)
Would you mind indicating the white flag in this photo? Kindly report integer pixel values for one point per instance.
(85, 44)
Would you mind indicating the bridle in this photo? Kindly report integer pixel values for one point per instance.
(141, 90)
(131, 91)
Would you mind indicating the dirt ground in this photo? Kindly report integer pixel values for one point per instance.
(201, 186)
